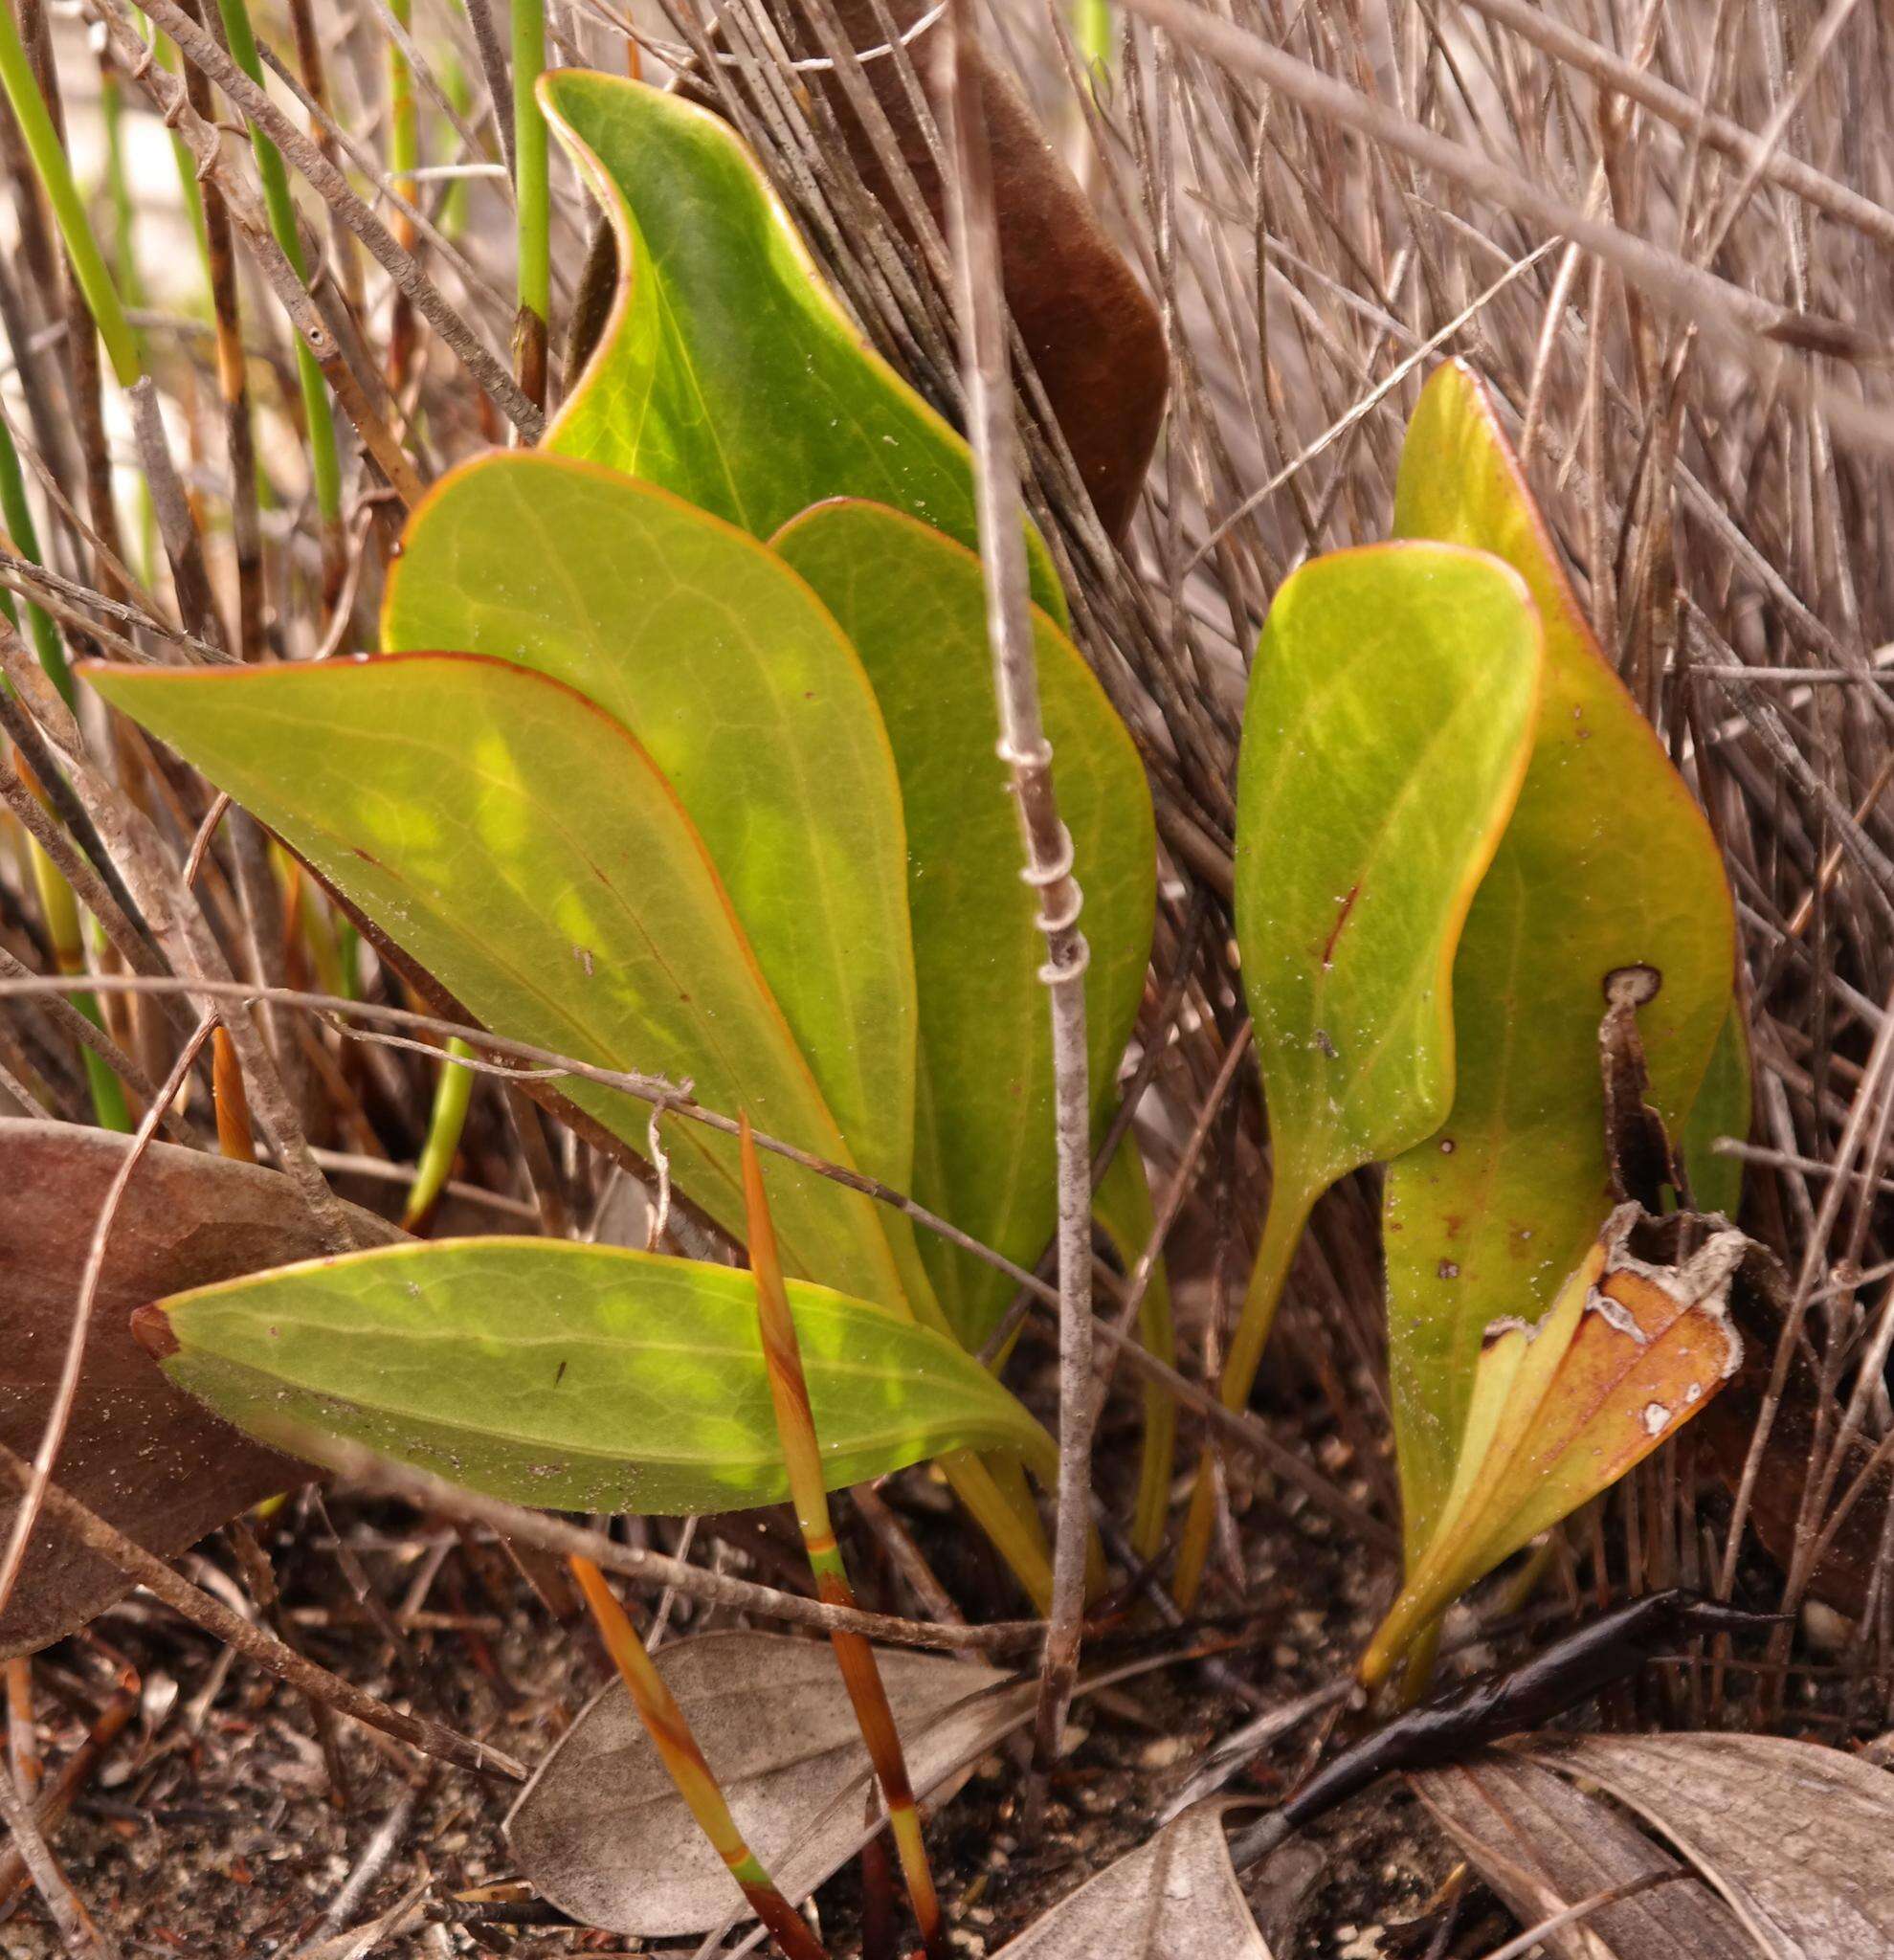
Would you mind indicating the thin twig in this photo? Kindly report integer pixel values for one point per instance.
(265, 1650)
(979, 302)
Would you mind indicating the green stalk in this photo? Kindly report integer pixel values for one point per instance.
(403, 157)
(167, 59)
(532, 202)
(1091, 21)
(16, 513)
(118, 185)
(1151, 1515)
(55, 896)
(1290, 1207)
(324, 470)
(404, 129)
(125, 259)
(802, 1455)
(63, 929)
(55, 175)
(453, 1091)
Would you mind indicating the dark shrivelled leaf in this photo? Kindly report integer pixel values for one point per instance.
(143, 1455)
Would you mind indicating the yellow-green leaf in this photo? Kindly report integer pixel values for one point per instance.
(577, 1378)
(1607, 862)
(728, 370)
(522, 846)
(744, 693)
(1722, 1109)
(1391, 712)
(1560, 1412)
(913, 603)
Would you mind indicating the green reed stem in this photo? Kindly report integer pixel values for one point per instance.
(16, 513)
(534, 217)
(55, 896)
(802, 1455)
(452, 1093)
(56, 176)
(670, 1732)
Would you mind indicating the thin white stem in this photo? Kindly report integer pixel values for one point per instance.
(980, 312)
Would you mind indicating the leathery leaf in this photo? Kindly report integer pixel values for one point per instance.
(728, 370)
(522, 846)
(744, 693)
(1390, 716)
(913, 604)
(1606, 864)
(574, 1376)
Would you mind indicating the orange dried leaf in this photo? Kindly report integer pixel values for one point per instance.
(1629, 1352)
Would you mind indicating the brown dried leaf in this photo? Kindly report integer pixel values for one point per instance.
(140, 1452)
(601, 1831)
(1631, 1350)
(1543, 1845)
(1095, 339)
(1175, 1898)
(1799, 1839)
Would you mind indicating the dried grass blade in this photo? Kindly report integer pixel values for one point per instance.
(795, 1422)
(697, 1783)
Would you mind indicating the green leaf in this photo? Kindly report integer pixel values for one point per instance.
(1390, 713)
(1607, 862)
(913, 604)
(739, 687)
(574, 1377)
(1559, 1411)
(1722, 1109)
(523, 848)
(728, 370)
(1390, 717)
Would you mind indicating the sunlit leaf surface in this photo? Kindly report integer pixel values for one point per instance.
(522, 846)
(574, 1376)
(1390, 716)
(744, 693)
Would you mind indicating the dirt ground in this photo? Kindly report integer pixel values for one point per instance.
(212, 1828)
